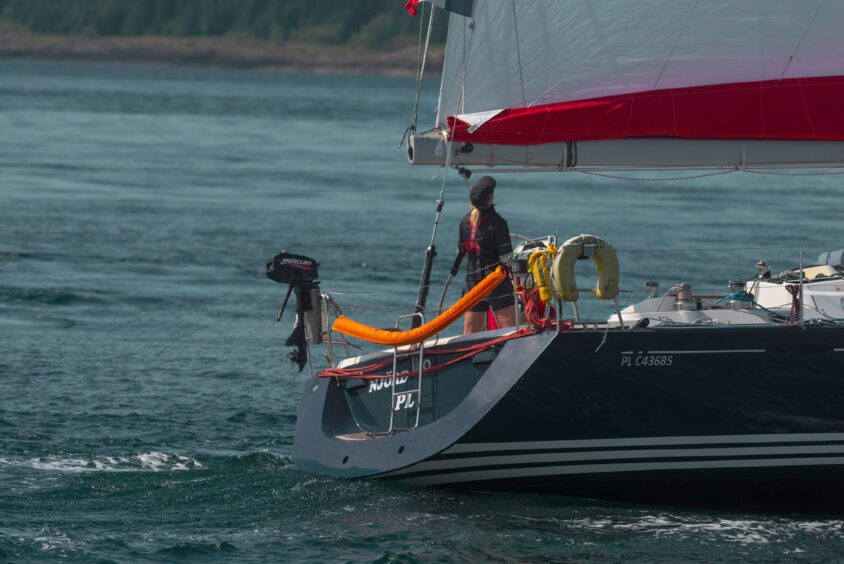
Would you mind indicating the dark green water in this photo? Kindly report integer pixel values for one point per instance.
(146, 406)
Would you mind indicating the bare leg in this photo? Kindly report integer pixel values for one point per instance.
(474, 322)
(506, 317)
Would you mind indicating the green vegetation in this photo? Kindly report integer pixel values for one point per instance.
(367, 23)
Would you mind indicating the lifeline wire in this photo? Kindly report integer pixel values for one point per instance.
(716, 249)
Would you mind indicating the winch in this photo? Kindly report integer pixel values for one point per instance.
(520, 258)
(300, 273)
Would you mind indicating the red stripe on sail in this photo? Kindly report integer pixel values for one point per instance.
(795, 108)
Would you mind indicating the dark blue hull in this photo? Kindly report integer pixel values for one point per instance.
(745, 417)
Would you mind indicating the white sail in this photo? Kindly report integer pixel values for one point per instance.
(553, 72)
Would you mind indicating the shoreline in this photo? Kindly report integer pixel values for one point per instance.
(215, 52)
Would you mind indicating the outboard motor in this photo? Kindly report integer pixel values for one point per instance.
(300, 274)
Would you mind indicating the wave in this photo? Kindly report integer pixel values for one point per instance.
(40, 321)
(154, 262)
(259, 462)
(50, 296)
(16, 255)
(144, 462)
(153, 461)
(194, 549)
(708, 528)
(262, 419)
(73, 297)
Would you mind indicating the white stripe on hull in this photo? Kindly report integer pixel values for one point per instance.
(698, 351)
(620, 455)
(723, 351)
(507, 473)
(646, 441)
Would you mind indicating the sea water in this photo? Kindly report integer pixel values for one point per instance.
(146, 404)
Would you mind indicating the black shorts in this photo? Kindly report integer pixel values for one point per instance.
(500, 297)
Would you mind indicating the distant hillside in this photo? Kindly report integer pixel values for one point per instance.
(368, 24)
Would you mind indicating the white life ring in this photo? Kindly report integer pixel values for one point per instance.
(584, 246)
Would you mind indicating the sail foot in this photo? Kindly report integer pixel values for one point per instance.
(646, 153)
(430, 149)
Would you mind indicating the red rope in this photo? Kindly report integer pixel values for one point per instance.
(535, 312)
(365, 372)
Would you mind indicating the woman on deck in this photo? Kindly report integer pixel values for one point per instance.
(485, 238)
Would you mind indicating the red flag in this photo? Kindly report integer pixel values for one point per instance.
(410, 6)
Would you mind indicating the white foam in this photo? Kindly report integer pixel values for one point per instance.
(150, 462)
(49, 540)
(155, 461)
(739, 531)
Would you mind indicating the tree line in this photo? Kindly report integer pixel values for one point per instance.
(369, 23)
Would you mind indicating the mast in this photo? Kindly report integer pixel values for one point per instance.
(464, 8)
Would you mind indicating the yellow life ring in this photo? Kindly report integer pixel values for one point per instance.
(583, 246)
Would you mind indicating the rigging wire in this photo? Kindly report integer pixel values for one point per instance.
(443, 281)
(519, 53)
(421, 59)
(799, 43)
(674, 47)
(467, 49)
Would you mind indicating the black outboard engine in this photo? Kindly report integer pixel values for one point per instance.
(300, 274)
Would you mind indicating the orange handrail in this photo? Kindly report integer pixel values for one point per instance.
(352, 328)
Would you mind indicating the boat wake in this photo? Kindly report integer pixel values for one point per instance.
(144, 462)
(700, 527)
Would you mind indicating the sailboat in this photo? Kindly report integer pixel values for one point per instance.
(730, 400)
